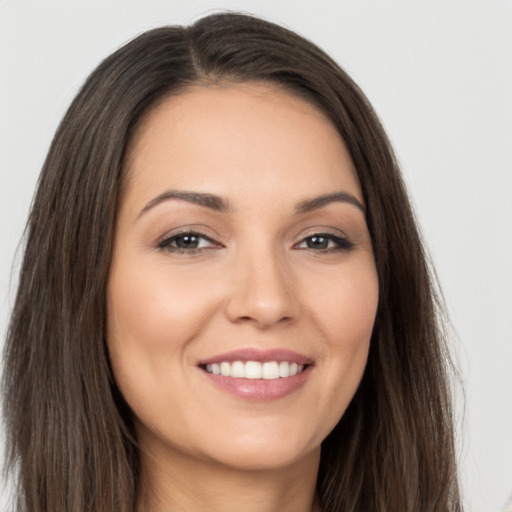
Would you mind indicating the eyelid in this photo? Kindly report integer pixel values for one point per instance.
(188, 233)
(333, 234)
(321, 230)
(165, 240)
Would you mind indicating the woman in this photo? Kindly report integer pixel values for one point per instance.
(224, 302)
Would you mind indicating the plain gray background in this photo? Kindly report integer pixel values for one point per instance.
(439, 73)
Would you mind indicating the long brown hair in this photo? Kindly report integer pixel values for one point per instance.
(70, 435)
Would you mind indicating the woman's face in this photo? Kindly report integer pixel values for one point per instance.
(241, 247)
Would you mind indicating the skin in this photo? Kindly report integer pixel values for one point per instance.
(256, 281)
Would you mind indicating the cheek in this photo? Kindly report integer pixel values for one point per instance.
(156, 309)
(153, 316)
(346, 316)
(346, 306)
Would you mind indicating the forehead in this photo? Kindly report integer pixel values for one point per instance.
(237, 136)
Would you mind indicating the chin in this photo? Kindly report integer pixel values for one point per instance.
(262, 445)
(261, 456)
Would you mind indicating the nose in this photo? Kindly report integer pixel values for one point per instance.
(262, 292)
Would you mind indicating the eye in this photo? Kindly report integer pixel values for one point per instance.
(189, 241)
(325, 242)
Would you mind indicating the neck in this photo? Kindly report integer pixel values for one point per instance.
(178, 482)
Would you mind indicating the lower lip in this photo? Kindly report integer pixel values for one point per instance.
(260, 389)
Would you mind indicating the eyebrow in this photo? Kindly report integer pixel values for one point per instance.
(218, 204)
(210, 201)
(336, 197)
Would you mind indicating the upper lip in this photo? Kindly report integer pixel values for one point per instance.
(262, 356)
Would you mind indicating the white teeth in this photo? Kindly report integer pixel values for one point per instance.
(255, 370)
(225, 369)
(270, 370)
(238, 369)
(284, 369)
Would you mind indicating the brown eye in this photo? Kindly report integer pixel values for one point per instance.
(186, 242)
(317, 242)
(325, 242)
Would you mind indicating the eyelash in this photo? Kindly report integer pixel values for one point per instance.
(165, 244)
(342, 244)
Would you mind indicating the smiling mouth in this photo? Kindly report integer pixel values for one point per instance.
(258, 375)
(269, 370)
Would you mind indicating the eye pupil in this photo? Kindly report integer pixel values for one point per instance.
(317, 242)
(187, 241)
